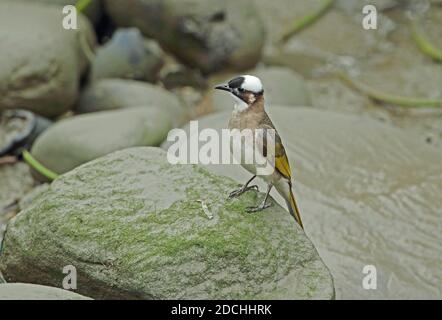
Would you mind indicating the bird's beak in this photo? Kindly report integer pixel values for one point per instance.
(223, 87)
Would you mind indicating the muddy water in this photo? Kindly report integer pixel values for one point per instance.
(386, 210)
(385, 59)
(369, 194)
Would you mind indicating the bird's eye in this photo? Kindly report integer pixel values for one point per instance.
(241, 90)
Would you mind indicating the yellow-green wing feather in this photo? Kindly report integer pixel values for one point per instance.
(282, 165)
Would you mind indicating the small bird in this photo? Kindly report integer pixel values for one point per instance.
(249, 113)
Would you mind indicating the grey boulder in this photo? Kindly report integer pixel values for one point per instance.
(129, 56)
(41, 63)
(74, 141)
(208, 35)
(132, 225)
(110, 94)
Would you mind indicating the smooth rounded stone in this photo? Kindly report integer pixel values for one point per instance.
(33, 77)
(282, 86)
(108, 94)
(28, 291)
(132, 225)
(74, 141)
(129, 56)
(175, 75)
(204, 34)
(369, 194)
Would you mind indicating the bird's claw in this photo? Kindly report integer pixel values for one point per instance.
(258, 208)
(240, 191)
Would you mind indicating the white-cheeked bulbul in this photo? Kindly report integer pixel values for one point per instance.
(249, 113)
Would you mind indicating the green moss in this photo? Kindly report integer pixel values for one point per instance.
(118, 239)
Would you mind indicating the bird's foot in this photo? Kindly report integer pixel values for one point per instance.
(240, 191)
(259, 208)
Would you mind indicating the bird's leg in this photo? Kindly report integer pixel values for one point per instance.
(244, 188)
(264, 203)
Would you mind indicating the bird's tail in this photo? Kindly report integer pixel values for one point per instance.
(293, 207)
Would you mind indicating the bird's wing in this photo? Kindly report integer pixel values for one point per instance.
(281, 164)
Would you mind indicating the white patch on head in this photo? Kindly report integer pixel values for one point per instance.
(239, 104)
(252, 84)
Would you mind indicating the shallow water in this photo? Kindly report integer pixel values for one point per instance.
(401, 235)
(381, 212)
(369, 194)
(399, 230)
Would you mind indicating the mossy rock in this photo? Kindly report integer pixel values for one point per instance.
(132, 225)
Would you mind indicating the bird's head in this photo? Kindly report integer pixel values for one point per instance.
(245, 90)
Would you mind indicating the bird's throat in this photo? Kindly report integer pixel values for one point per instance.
(239, 105)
